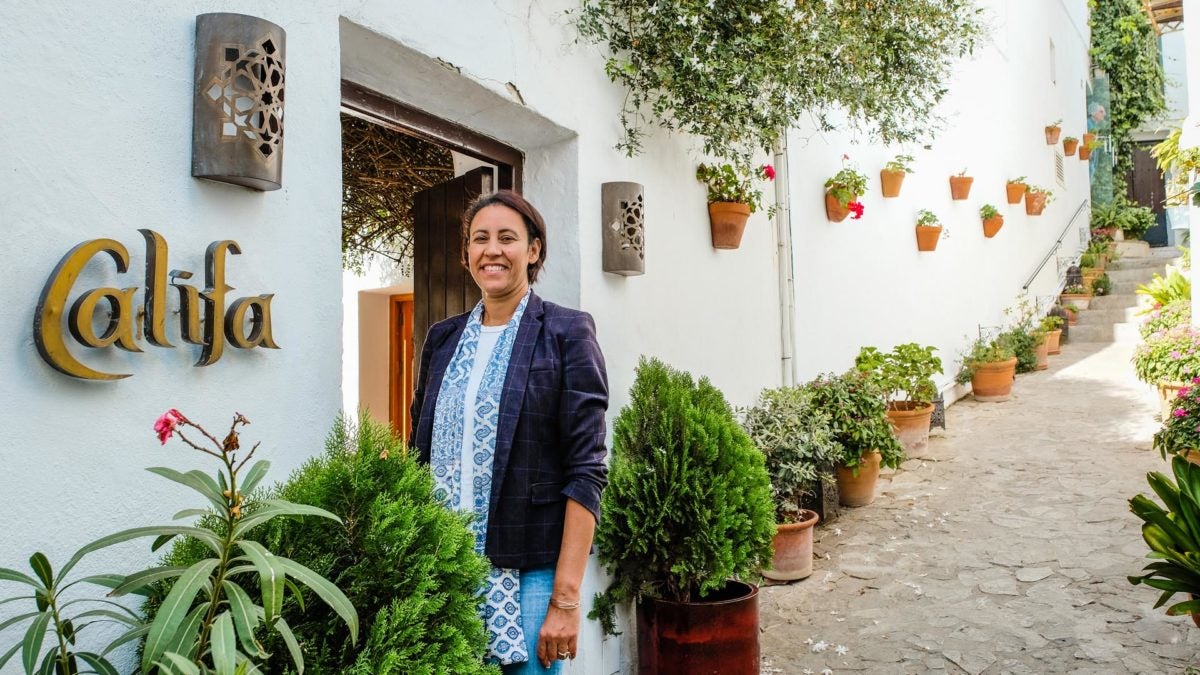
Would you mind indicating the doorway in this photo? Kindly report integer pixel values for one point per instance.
(1148, 188)
(407, 179)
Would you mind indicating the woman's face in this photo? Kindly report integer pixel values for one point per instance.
(499, 251)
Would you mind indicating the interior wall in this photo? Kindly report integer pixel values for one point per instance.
(374, 350)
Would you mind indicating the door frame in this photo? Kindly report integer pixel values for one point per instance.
(402, 362)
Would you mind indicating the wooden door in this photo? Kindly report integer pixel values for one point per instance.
(1147, 188)
(403, 375)
(442, 287)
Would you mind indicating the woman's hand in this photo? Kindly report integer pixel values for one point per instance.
(559, 636)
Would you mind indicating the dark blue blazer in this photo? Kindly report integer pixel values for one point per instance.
(550, 439)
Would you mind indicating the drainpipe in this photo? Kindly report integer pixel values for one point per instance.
(787, 297)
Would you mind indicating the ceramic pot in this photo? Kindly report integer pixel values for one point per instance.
(728, 221)
(960, 186)
(717, 636)
(992, 225)
(834, 210)
(1035, 203)
(1014, 192)
(1069, 146)
(911, 425)
(859, 490)
(928, 236)
(994, 381)
(891, 182)
(1053, 344)
(793, 549)
(1052, 134)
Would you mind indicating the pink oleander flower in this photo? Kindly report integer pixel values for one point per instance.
(1179, 412)
(165, 425)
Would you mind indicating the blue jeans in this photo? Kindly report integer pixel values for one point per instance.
(536, 585)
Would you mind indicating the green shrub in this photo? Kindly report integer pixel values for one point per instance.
(407, 563)
(688, 504)
(858, 417)
(1172, 355)
(1102, 285)
(1023, 344)
(907, 371)
(983, 351)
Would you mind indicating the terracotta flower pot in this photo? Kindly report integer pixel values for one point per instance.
(727, 221)
(1014, 192)
(928, 236)
(992, 225)
(1069, 145)
(911, 425)
(1052, 134)
(1085, 153)
(1043, 356)
(859, 490)
(1167, 391)
(834, 210)
(717, 635)
(1090, 275)
(1054, 342)
(793, 549)
(1080, 300)
(960, 186)
(993, 381)
(1088, 138)
(891, 181)
(1072, 317)
(1035, 203)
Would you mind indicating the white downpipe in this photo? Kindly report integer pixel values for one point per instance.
(787, 295)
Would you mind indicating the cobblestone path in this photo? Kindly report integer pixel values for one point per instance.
(1005, 550)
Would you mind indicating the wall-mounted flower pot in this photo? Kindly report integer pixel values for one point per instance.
(891, 182)
(1085, 153)
(992, 225)
(960, 187)
(859, 490)
(928, 236)
(716, 635)
(1069, 146)
(834, 210)
(1053, 344)
(993, 382)
(623, 218)
(793, 557)
(1052, 134)
(727, 221)
(1035, 203)
(1014, 192)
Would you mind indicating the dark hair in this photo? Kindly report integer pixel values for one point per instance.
(534, 225)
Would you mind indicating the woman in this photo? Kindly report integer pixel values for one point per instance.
(510, 405)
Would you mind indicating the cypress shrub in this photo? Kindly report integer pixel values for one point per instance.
(688, 504)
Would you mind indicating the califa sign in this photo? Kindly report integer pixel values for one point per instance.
(211, 330)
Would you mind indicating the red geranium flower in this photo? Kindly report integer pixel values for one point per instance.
(856, 208)
(768, 171)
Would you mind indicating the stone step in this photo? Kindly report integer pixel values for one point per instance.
(1115, 301)
(1139, 274)
(1124, 287)
(1140, 263)
(1124, 333)
(1093, 317)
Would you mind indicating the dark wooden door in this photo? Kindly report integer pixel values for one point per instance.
(1147, 188)
(441, 285)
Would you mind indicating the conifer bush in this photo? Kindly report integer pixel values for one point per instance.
(406, 562)
(688, 504)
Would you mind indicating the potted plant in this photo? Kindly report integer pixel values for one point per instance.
(929, 231)
(1078, 295)
(1101, 285)
(1014, 189)
(1089, 144)
(1173, 536)
(732, 197)
(960, 185)
(1072, 311)
(1168, 359)
(905, 375)
(990, 367)
(865, 437)
(1088, 268)
(1036, 199)
(1052, 325)
(1170, 315)
(1180, 433)
(796, 438)
(687, 515)
(891, 177)
(1052, 132)
(992, 220)
(842, 192)
(1069, 145)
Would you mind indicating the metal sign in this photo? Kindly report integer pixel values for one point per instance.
(211, 329)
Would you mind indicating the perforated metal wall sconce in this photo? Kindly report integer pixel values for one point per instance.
(623, 217)
(237, 111)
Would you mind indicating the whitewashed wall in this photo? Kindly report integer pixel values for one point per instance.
(106, 150)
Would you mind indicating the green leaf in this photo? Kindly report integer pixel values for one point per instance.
(325, 590)
(7, 574)
(31, 646)
(187, 640)
(272, 508)
(159, 542)
(293, 646)
(109, 614)
(17, 619)
(105, 580)
(296, 593)
(224, 644)
(68, 630)
(241, 607)
(9, 654)
(188, 513)
(141, 580)
(270, 575)
(174, 609)
(127, 636)
(254, 475)
(98, 663)
(41, 566)
(1188, 607)
(175, 663)
(48, 663)
(198, 481)
(207, 537)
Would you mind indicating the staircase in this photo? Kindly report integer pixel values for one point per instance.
(1114, 318)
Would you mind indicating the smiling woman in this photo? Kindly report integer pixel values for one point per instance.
(510, 406)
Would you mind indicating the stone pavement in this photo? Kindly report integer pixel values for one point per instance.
(1004, 551)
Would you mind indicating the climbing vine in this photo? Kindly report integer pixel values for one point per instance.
(736, 73)
(1125, 47)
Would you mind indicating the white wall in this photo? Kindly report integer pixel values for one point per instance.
(1174, 57)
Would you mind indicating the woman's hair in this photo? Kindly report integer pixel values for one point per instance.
(534, 225)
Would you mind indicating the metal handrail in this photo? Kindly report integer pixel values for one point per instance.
(1057, 245)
